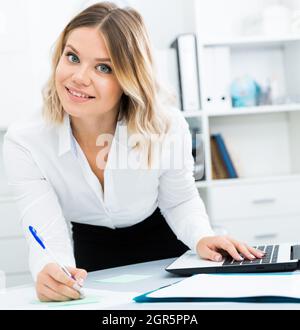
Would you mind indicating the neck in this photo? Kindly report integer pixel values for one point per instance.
(87, 130)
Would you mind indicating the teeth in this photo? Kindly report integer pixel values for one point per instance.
(79, 94)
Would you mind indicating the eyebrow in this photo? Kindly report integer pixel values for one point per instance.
(96, 59)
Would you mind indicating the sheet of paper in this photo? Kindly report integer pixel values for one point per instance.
(25, 298)
(233, 286)
(126, 278)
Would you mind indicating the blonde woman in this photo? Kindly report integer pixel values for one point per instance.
(126, 202)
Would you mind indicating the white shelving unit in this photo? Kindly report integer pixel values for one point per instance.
(263, 141)
(252, 41)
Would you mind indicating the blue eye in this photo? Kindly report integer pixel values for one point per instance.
(72, 58)
(104, 68)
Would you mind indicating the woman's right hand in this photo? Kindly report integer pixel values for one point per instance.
(54, 285)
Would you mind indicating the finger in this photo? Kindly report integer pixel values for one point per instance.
(249, 252)
(80, 275)
(43, 298)
(207, 253)
(52, 295)
(242, 248)
(257, 253)
(229, 247)
(62, 289)
(60, 276)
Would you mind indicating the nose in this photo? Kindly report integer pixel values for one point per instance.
(81, 76)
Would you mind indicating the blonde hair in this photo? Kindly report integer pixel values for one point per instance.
(129, 48)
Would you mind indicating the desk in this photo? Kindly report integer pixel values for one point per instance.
(158, 277)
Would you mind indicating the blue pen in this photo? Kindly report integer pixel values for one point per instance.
(47, 250)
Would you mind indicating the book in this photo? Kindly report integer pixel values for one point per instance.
(186, 47)
(232, 173)
(257, 288)
(218, 167)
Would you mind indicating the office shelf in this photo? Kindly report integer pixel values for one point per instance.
(193, 114)
(253, 41)
(247, 181)
(263, 141)
(254, 110)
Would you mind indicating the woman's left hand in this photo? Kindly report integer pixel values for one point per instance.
(211, 248)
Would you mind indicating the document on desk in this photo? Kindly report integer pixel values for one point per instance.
(25, 299)
(124, 279)
(279, 287)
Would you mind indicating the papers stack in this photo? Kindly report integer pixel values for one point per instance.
(279, 287)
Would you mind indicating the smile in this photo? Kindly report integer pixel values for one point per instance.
(79, 97)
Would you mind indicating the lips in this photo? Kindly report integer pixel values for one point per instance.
(78, 93)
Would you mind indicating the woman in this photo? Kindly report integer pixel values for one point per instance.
(126, 201)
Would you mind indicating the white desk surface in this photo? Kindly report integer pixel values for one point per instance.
(156, 277)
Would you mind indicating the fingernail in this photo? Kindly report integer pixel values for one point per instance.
(218, 258)
(252, 256)
(77, 287)
(80, 281)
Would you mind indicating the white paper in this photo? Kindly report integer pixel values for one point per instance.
(233, 286)
(25, 299)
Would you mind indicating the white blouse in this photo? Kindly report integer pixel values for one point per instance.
(55, 185)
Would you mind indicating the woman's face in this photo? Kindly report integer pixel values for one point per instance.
(84, 79)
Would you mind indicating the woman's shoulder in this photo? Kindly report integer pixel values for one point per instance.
(176, 119)
(30, 125)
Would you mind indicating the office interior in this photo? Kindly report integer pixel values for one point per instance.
(248, 78)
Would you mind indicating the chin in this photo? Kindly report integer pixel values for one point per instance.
(74, 113)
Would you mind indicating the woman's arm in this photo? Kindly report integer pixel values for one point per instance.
(178, 199)
(183, 209)
(39, 207)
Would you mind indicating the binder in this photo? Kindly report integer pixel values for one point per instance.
(186, 47)
(208, 73)
(217, 76)
(242, 288)
(222, 78)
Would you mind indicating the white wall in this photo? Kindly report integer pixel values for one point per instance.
(221, 18)
(166, 19)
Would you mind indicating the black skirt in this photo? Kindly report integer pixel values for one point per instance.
(98, 248)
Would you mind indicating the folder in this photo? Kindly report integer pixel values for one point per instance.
(222, 78)
(216, 73)
(186, 47)
(208, 75)
(255, 288)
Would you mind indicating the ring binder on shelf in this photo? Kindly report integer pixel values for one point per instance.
(186, 47)
(216, 73)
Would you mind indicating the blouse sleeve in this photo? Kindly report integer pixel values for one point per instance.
(179, 199)
(38, 206)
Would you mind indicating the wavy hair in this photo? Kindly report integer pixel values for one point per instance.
(130, 51)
